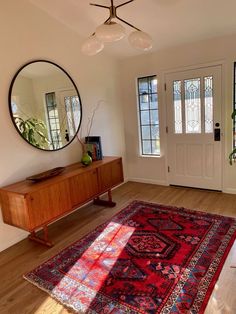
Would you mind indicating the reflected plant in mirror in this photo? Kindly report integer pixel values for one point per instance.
(45, 105)
(34, 131)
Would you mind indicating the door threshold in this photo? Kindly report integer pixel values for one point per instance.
(191, 187)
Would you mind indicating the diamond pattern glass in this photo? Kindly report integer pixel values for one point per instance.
(192, 105)
(178, 107)
(208, 99)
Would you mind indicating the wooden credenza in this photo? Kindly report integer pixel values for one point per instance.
(30, 206)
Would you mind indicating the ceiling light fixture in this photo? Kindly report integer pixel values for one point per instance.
(111, 31)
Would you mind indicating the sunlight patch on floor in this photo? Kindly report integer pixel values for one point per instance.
(93, 267)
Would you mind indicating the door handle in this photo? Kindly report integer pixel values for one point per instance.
(67, 136)
(217, 135)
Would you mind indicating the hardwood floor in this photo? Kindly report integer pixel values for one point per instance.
(17, 296)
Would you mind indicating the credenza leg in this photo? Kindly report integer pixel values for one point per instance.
(107, 203)
(45, 240)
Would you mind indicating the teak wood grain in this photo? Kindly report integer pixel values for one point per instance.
(17, 296)
(29, 205)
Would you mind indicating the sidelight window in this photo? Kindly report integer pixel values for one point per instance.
(53, 120)
(148, 116)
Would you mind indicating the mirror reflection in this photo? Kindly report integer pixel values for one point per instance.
(45, 105)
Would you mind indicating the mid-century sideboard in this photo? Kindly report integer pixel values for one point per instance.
(30, 206)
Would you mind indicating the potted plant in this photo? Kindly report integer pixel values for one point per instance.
(232, 155)
(33, 130)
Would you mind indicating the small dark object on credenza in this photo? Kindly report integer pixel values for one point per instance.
(46, 174)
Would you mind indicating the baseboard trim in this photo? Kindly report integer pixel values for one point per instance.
(229, 191)
(13, 241)
(149, 181)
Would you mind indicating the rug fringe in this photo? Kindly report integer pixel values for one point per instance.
(70, 307)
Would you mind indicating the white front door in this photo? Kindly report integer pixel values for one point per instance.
(194, 127)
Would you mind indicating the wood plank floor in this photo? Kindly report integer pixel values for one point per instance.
(19, 296)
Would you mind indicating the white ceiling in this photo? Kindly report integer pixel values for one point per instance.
(169, 22)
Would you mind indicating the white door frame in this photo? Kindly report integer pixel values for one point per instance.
(221, 63)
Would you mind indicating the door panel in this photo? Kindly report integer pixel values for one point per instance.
(110, 175)
(193, 111)
(48, 203)
(83, 187)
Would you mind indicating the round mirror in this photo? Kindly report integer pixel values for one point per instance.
(45, 105)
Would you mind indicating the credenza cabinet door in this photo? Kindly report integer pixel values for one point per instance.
(110, 175)
(117, 172)
(83, 187)
(48, 203)
(15, 211)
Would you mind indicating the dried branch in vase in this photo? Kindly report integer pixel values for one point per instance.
(88, 128)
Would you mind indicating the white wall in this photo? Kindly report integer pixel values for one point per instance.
(24, 97)
(29, 34)
(223, 49)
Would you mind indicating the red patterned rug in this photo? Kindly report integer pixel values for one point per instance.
(148, 258)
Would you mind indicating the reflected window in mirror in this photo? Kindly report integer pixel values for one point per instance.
(45, 105)
(54, 132)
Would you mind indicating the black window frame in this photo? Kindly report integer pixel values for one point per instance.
(150, 125)
(55, 142)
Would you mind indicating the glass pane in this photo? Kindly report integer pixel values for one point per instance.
(177, 107)
(75, 103)
(155, 132)
(144, 103)
(208, 98)
(70, 123)
(145, 117)
(153, 101)
(192, 106)
(146, 133)
(147, 150)
(69, 107)
(76, 111)
(143, 85)
(156, 147)
(154, 116)
(153, 85)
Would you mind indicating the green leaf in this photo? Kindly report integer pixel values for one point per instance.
(33, 130)
(233, 114)
(232, 156)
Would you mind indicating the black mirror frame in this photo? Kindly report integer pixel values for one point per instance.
(10, 108)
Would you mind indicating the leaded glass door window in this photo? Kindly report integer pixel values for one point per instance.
(62, 127)
(193, 118)
(193, 105)
(72, 106)
(70, 101)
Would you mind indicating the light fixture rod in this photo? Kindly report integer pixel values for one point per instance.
(98, 5)
(121, 5)
(128, 23)
(113, 14)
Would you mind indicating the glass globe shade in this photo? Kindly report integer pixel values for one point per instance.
(110, 32)
(140, 40)
(92, 46)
